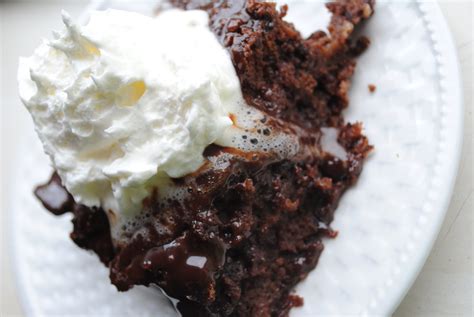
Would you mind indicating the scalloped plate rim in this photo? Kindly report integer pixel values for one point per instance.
(449, 62)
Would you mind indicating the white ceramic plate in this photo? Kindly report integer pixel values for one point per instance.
(387, 223)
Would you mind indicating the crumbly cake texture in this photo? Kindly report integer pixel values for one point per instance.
(249, 232)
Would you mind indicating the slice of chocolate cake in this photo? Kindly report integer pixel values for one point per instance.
(234, 237)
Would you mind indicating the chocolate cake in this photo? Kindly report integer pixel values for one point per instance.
(252, 228)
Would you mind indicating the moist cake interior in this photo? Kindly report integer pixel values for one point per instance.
(252, 228)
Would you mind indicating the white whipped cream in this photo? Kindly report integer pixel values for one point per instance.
(128, 97)
(128, 101)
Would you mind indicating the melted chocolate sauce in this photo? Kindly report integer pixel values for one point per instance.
(186, 266)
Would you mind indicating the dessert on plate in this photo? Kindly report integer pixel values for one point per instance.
(202, 151)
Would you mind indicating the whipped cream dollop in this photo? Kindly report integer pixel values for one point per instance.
(127, 102)
(127, 98)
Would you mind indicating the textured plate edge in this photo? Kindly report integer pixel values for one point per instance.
(19, 279)
(450, 149)
(452, 127)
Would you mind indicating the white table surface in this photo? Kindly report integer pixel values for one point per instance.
(444, 287)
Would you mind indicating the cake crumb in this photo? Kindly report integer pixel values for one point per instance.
(295, 300)
(372, 88)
